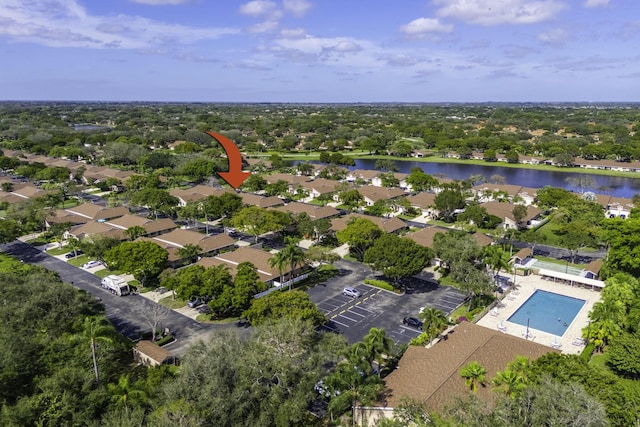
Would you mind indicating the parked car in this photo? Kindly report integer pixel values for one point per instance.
(351, 292)
(195, 303)
(413, 322)
(91, 264)
(73, 254)
(161, 290)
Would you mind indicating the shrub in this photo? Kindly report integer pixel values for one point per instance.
(165, 340)
(380, 284)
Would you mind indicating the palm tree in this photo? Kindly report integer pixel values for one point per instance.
(96, 329)
(497, 259)
(521, 365)
(433, 321)
(278, 261)
(295, 256)
(189, 253)
(124, 393)
(508, 382)
(375, 346)
(348, 386)
(474, 374)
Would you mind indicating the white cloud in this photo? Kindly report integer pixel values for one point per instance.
(292, 33)
(297, 7)
(596, 3)
(257, 8)
(496, 12)
(265, 26)
(423, 26)
(65, 23)
(555, 36)
(161, 2)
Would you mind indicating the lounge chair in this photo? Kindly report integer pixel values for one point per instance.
(578, 342)
(495, 312)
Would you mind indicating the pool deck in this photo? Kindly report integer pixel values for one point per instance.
(525, 287)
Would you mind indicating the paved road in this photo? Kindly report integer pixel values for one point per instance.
(124, 312)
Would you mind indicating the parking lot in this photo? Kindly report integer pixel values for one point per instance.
(353, 317)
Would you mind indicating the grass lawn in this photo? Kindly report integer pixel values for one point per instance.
(172, 303)
(58, 251)
(8, 263)
(106, 272)
(78, 261)
(599, 361)
(39, 241)
(549, 229)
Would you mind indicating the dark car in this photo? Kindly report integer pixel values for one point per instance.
(73, 254)
(195, 303)
(413, 322)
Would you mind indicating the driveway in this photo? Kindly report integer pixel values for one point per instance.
(376, 307)
(127, 313)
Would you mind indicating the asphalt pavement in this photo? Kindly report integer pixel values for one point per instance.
(126, 313)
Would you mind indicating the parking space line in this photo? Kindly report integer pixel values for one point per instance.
(357, 314)
(348, 318)
(333, 319)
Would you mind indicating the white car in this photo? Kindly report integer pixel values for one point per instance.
(91, 264)
(351, 292)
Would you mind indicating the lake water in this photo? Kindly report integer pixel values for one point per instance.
(611, 185)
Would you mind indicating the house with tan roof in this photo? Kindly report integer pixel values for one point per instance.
(29, 192)
(401, 177)
(291, 180)
(259, 258)
(249, 199)
(208, 244)
(314, 211)
(96, 212)
(208, 262)
(197, 193)
(432, 375)
(424, 236)
(366, 175)
(149, 354)
(527, 195)
(320, 187)
(425, 202)
(94, 228)
(388, 225)
(504, 211)
(372, 194)
(153, 227)
(487, 192)
(61, 216)
(592, 270)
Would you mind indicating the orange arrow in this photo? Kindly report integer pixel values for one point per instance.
(235, 177)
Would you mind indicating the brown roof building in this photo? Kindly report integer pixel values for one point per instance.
(62, 216)
(372, 194)
(181, 238)
(249, 199)
(197, 193)
(153, 227)
(432, 375)
(150, 354)
(424, 237)
(504, 211)
(96, 212)
(314, 212)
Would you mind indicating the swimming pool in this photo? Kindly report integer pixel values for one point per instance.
(548, 312)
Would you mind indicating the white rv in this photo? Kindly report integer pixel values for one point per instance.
(116, 285)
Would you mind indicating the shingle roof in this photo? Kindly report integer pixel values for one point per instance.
(150, 225)
(181, 238)
(423, 200)
(261, 201)
(432, 375)
(89, 210)
(314, 212)
(505, 210)
(374, 193)
(424, 237)
(153, 351)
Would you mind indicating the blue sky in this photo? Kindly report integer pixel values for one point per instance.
(320, 50)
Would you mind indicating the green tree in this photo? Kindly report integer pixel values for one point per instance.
(352, 199)
(145, 260)
(134, 232)
(295, 256)
(474, 374)
(349, 386)
(508, 382)
(360, 234)
(447, 201)
(420, 181)
(96, 330)
(155, 199)
(125, 394)
(289, 305)
(519, 213)
(97, 246)
(10, 230)
(433, 321)
(397, 257)
(497, 259)
(189, 253)
(624, 355)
